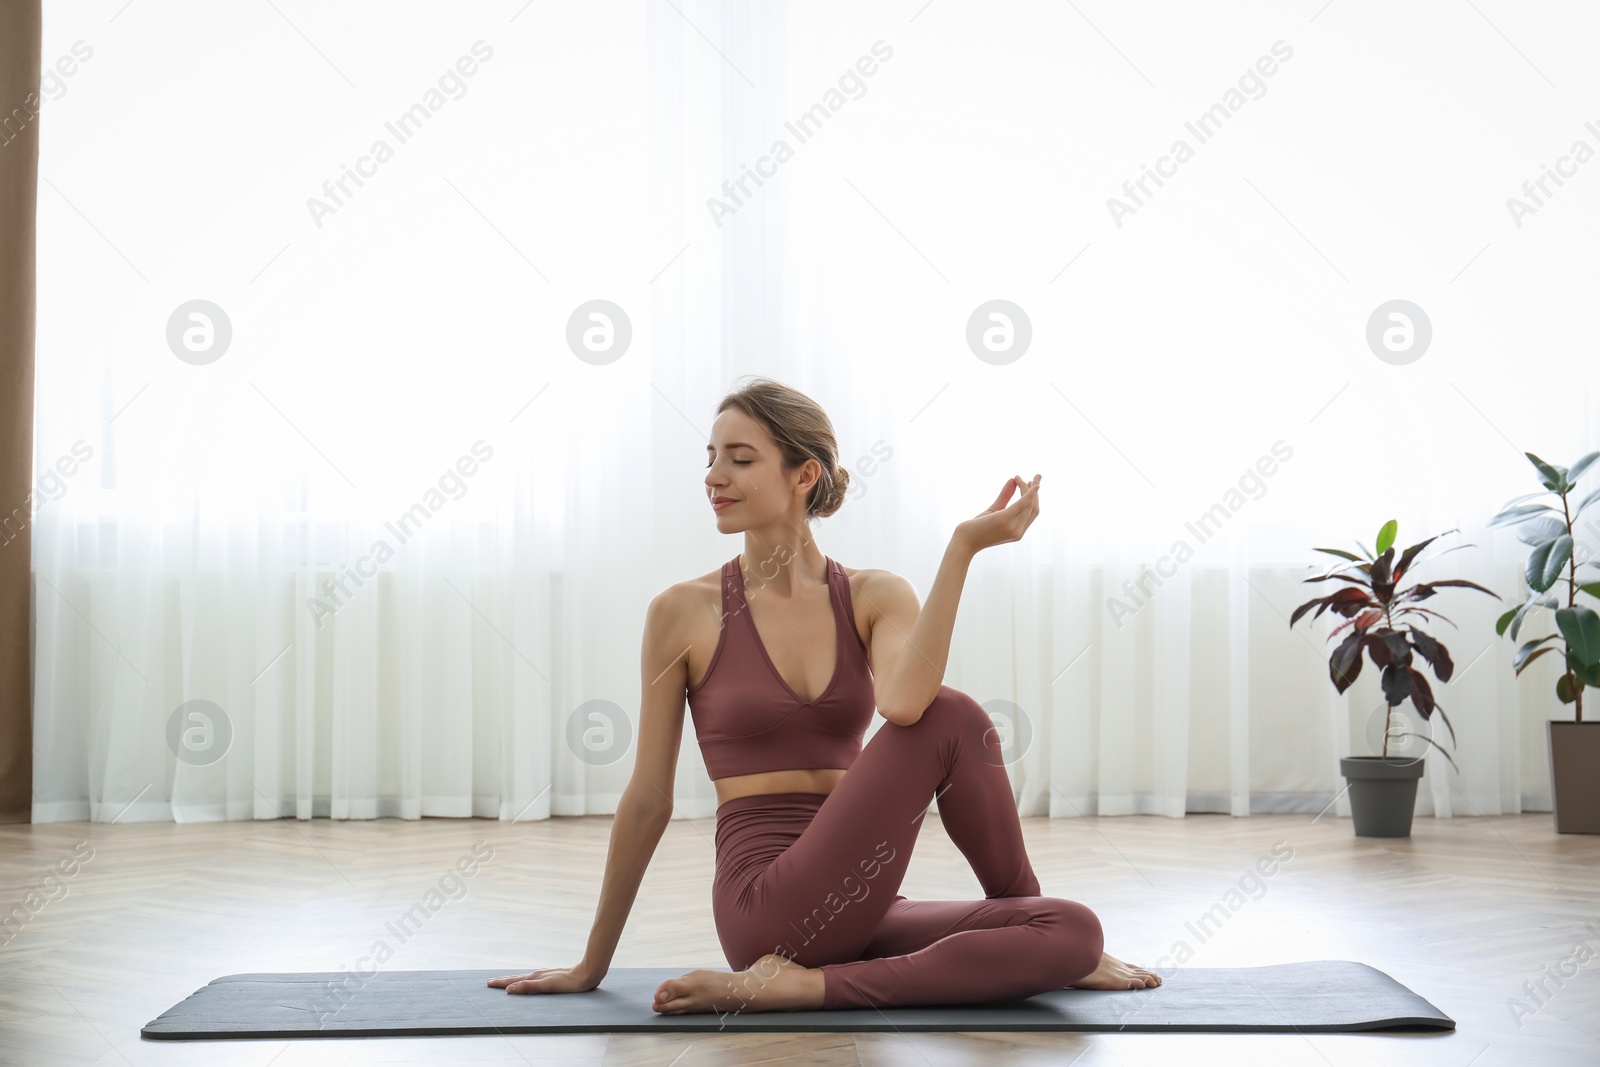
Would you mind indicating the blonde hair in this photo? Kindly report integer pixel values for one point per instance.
(801, 430)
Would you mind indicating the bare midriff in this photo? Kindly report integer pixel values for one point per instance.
(821, 780)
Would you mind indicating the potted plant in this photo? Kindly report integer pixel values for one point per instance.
(1575, 745)
(1383, 791)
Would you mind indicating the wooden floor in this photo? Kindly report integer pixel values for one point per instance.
(1465, 911)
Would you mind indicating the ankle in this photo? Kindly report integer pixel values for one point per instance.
(816, 989)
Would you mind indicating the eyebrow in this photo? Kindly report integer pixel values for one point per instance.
(736, 444)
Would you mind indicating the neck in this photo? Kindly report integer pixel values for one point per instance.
(780, 569)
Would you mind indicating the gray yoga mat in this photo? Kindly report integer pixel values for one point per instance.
(1320, 996)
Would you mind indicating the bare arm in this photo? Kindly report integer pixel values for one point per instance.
(635, 832)
(910, 647)
(643, 811)
(646, 804)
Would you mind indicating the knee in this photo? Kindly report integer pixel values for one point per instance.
(952, 707)
(1081, 939)
(958, 714)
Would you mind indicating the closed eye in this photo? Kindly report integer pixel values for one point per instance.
(736, 463)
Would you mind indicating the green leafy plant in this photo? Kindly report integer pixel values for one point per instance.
(1550, 531)
(1378, 612)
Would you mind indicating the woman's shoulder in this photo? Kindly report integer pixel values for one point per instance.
(693, 597)
(878, 586)
(867, 577)
(872, 586)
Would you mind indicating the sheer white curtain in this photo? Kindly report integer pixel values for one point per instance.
(394, 534)
(394, 545)
(1215, 317)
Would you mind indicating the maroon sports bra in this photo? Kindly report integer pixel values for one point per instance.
(746, 717)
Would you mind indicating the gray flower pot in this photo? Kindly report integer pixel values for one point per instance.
(1574, 785)
(1383, 794)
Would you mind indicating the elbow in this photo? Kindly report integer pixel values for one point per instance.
(652, 808)
(899, 716)
(899, 713)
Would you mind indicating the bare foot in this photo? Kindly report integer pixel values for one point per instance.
(772, 983)
(1114, 974)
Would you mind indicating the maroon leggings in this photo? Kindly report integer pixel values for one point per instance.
(815, 877)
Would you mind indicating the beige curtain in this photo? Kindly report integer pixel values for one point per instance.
(19, 168)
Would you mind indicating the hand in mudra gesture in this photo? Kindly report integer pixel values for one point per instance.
(1001, 522)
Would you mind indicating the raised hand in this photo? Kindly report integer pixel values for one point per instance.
(1001, 522)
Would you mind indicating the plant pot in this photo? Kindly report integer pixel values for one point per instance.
(1574, 786)
(1383, 794)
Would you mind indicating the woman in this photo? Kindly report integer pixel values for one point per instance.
(814, 831)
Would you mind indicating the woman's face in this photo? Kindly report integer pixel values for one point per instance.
(744, 467)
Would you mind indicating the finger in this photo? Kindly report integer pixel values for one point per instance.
(1005, 494)
(506, 979)
(530, 985)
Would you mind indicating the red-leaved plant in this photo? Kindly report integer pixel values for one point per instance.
(1373, 598)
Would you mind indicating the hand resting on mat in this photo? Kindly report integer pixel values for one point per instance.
(549, 980)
